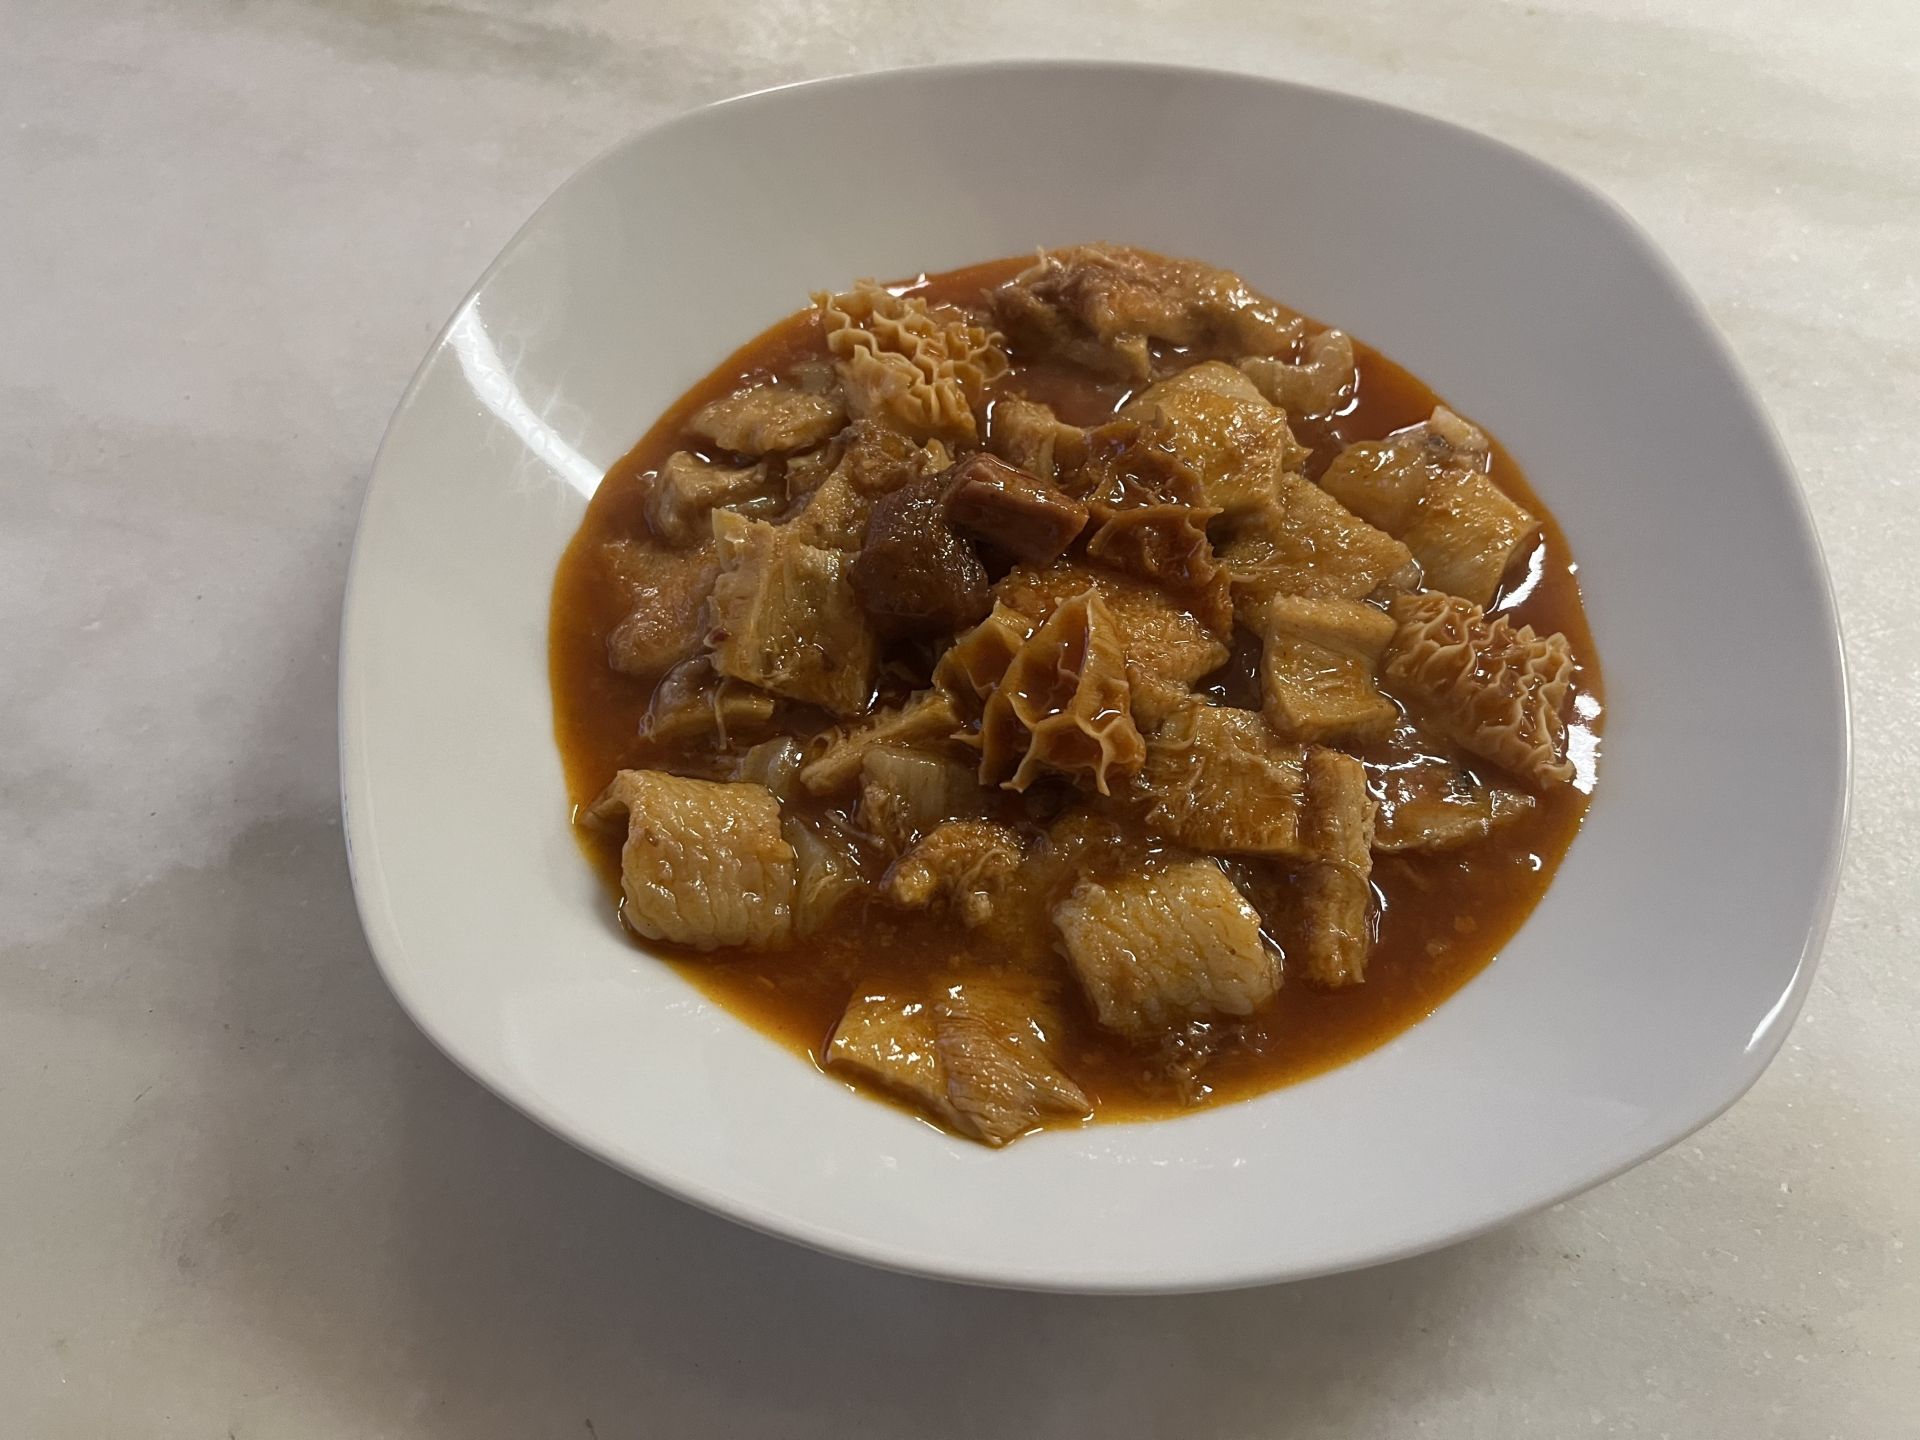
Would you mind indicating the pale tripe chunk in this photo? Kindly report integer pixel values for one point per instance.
(905, 794)
(705, 863)
(763, 419)
(975, 1056)
(784, 617)
(963, 866)
(1220, 425)
(1002, 1079)
(1155, 952)
(1063, 705)
(1149, 509)
(827, 871)
(1336, 890)
(888, 1039)
(687, 490)
(1101, 305)
(926, 720)
(1176, 640)
(1218, 779)
(1492, 687)
(1439, 807)
(834, 515)
(1431, 798)
(666, 592)
(1320, 382)
(1304, 542)
(1427, 486)
(693, 699)
(1028, 434)
(971, 668)
(919, 368)
(1317, 668)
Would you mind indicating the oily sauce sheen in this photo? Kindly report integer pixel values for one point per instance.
(1441, 917)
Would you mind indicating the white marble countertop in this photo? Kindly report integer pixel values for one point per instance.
(241, 1196)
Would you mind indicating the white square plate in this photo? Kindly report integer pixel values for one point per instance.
(1645, 994)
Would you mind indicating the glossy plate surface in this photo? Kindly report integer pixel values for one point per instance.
(1644, 996)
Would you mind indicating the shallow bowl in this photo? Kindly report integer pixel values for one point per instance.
(1644, 995)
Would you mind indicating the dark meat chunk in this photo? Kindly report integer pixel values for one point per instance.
(1029, 518)
(914, 575)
